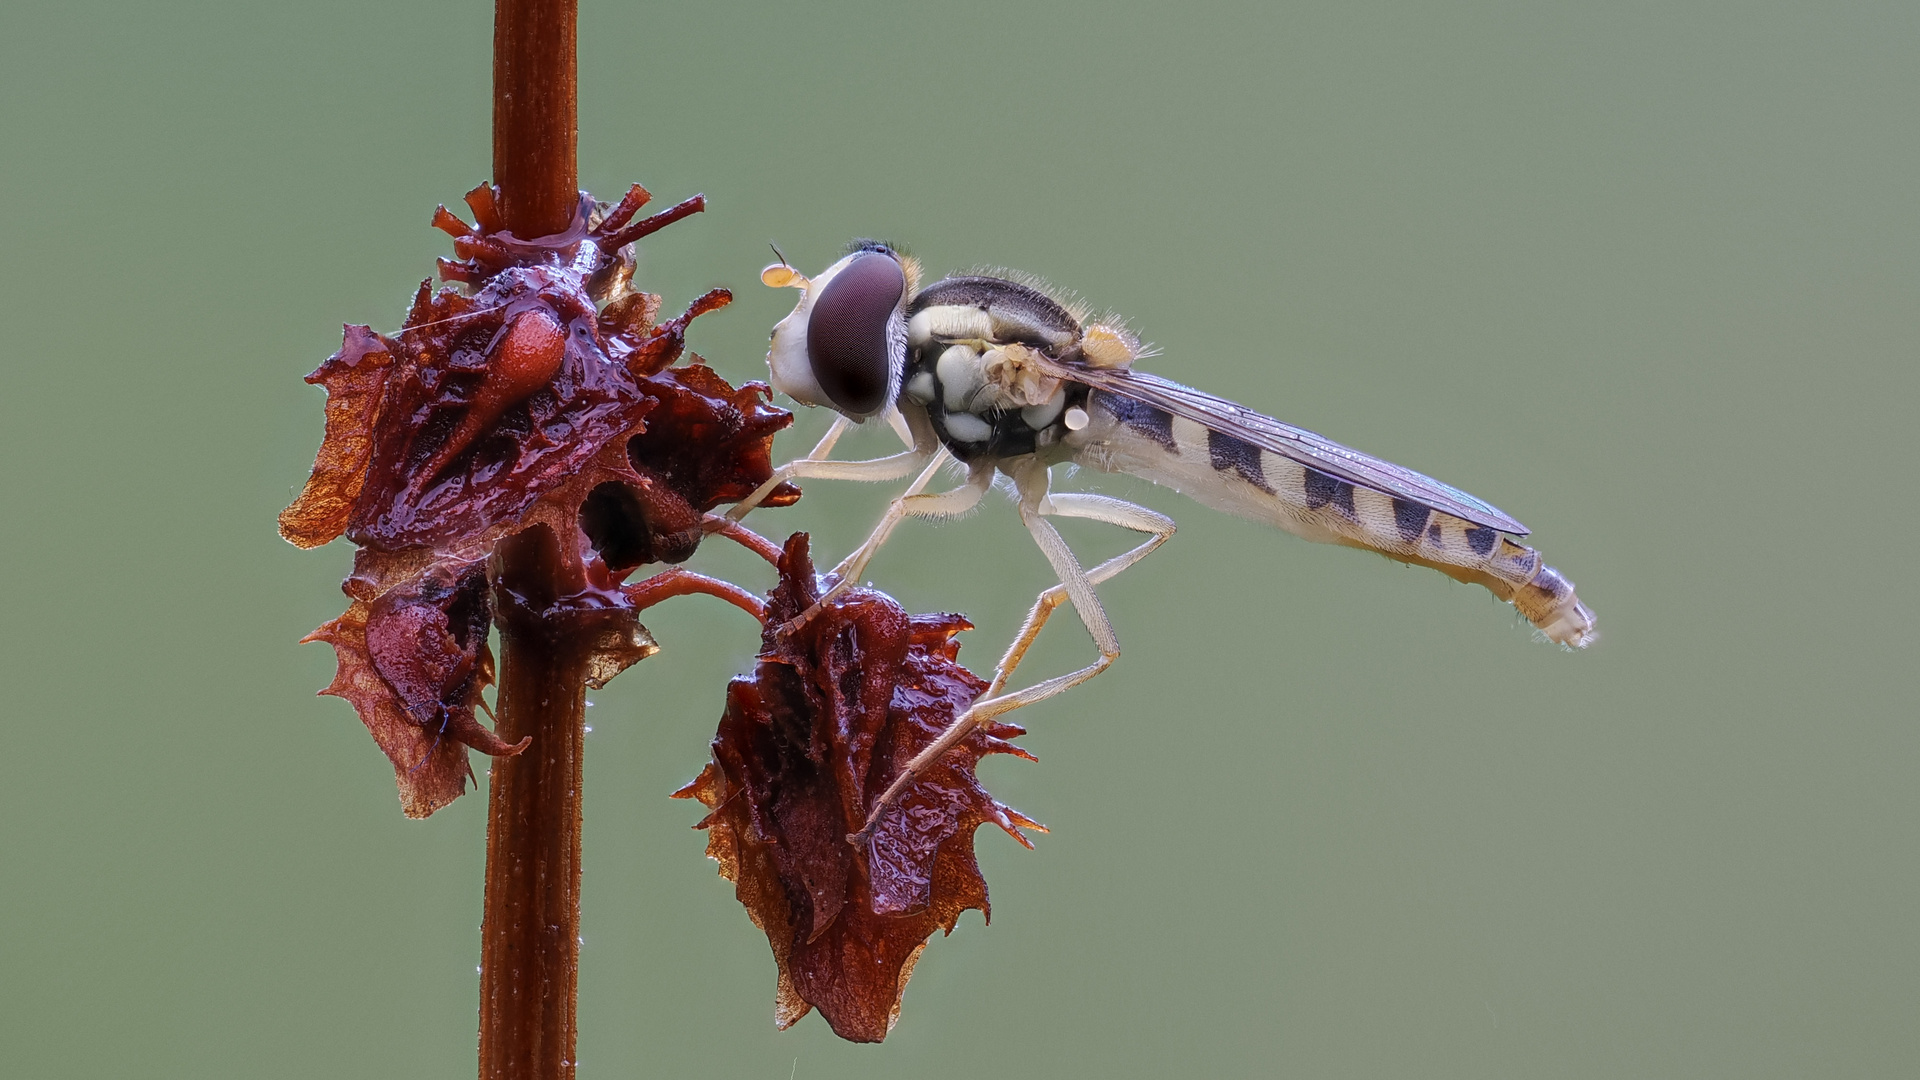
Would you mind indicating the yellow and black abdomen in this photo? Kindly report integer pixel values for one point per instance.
(1228, 473)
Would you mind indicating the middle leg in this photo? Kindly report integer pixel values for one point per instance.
(1074, 583)
(912, 503)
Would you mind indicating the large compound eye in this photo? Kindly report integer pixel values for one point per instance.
(847, 333)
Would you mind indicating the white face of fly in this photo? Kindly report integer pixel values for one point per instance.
(844, 344)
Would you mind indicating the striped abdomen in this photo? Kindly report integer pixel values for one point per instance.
(1227, 473)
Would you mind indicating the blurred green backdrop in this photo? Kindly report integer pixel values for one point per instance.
(1644, 275)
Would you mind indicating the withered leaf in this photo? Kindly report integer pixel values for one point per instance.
(809, 740)
(709, 442)
(412, 658)
(355, 379)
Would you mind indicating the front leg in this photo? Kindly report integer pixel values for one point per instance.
(815, 466)
(911, 503)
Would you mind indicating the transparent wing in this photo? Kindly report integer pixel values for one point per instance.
(1299, 444)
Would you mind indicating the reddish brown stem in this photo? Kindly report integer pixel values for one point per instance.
(535, 128)
(714, 524)
(530, 932)
(675, 581)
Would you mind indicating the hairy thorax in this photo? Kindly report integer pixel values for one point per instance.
(972, 347)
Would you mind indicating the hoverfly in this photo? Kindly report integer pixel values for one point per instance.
(996, 373)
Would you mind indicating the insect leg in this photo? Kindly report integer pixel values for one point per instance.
(1033, 498)
(911, 503)
(1095, 508)
(816, 466)
(992, 703)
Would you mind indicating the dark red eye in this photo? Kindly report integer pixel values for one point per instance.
(847, 333)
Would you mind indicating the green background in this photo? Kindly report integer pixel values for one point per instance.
(1643, 274)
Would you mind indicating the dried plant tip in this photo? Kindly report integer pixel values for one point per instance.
(807, 743)
(664, 344)
(622, 212)
(484, 201)
(650, 225)
(447, 222)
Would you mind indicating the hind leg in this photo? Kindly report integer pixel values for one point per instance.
(1096, 508)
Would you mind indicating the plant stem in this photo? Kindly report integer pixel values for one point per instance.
(535, 114)
(530, 932)
(530, 935)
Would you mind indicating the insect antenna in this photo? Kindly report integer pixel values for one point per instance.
(781, 275)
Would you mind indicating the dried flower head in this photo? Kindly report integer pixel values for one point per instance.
(809, 741)
(539, 393)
